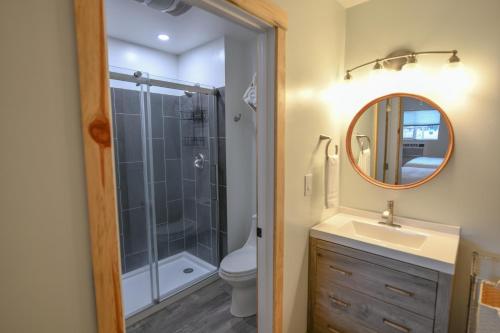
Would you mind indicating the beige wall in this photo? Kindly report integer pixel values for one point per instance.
(315, 42)
(44, 240)
(241, 64)
(46, 282)
(467, 193)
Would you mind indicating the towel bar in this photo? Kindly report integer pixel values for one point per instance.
(329, 138)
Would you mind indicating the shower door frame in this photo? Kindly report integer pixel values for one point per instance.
(99, 160)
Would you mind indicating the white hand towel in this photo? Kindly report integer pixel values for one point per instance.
(364, 161)
(332, 181)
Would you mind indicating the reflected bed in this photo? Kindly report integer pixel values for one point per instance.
(419, 168)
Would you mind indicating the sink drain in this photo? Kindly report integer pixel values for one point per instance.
(188, 270)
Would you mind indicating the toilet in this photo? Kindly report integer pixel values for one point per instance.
(239, 269)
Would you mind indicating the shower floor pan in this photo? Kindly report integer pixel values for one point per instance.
(174, 275)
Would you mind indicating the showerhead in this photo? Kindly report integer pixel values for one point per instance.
(188, 93)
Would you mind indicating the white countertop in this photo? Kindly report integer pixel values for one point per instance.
(433, 245)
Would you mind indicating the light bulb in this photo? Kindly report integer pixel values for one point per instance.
(454, 76)
(412, 75)
(378, 73)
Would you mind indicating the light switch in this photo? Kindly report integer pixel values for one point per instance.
(308, 184)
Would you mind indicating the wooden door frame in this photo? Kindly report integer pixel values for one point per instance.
(99, 161)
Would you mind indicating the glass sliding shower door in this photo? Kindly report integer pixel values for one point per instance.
(186, 226)
(128, 102)
(166, 151)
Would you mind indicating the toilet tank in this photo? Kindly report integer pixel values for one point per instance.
(252, 237)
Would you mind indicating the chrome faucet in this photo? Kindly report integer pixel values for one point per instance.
(388, 215)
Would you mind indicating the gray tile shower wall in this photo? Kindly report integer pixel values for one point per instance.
(197, 201)
(185, 197)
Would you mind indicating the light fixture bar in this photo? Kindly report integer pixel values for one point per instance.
(453, 58)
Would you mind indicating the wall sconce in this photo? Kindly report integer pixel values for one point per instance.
(396, 60)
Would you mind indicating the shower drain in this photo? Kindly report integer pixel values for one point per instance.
(188, 270)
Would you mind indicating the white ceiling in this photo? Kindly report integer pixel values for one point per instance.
(351, 3)
(131, 21)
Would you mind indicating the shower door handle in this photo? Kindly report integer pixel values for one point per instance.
(199, 161)
(216, 173)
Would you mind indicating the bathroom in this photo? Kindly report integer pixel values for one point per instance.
(359, 191)
(184, 148)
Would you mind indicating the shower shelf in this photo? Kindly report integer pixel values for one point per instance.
(196, 115)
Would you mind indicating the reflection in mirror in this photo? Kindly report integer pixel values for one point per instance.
(400, 139)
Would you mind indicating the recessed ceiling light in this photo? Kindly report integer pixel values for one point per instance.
(163, 37)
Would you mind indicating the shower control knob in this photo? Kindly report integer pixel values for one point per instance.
(199, 160)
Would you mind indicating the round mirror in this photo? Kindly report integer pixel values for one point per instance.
(400, 141)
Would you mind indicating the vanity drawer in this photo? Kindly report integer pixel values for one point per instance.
(342, 309)
(407, 291)
(336, 321)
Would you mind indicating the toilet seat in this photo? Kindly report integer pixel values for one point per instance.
(242, 262)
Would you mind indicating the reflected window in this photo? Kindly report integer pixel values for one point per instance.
(421, 125)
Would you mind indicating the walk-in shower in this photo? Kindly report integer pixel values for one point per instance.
(169, 159)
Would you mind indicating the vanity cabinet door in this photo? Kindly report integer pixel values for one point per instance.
(359, 308)
(407, 291)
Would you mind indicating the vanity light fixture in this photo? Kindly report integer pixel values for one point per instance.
(454, 58)
(412, 63)
(408, 59)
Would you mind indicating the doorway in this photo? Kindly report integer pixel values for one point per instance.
(270, 80)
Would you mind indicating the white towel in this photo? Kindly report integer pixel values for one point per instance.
(364, 161)
(332, 181)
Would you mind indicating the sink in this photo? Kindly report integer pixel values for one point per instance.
(386, 234)
(421, 243)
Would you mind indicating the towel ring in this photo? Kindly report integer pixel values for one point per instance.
(359, 138)
(329, 138)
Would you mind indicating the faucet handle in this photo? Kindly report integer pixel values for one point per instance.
(385, 214)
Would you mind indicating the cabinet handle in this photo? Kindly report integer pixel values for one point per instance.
(398, 290)
(341, 271)
(339, 302)
(331, 329)
(396, 326)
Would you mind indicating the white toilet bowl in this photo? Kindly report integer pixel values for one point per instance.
(239, 269)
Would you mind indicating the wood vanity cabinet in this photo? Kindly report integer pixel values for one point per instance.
(352, 291)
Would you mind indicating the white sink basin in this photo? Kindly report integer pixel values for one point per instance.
(386, 234)
(426, 244)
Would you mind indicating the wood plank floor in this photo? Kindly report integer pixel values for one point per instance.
(204, 311)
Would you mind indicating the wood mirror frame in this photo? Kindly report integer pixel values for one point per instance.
(374, 181)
